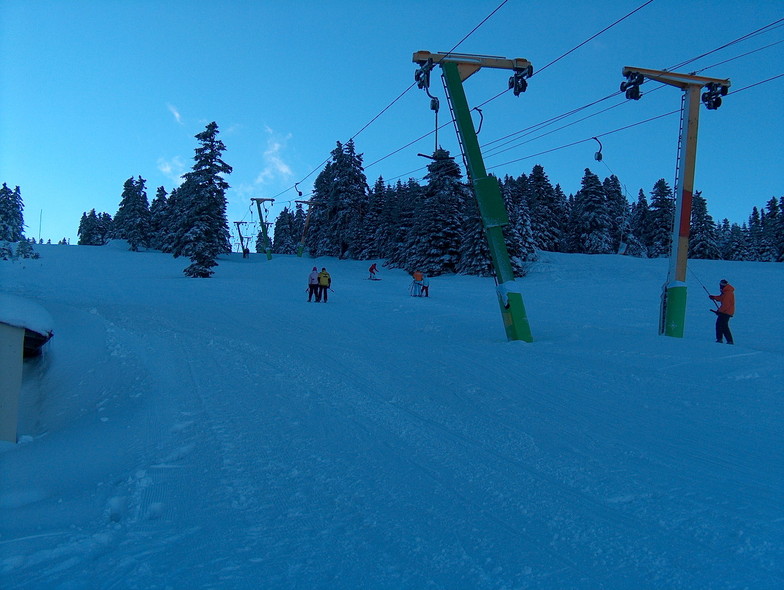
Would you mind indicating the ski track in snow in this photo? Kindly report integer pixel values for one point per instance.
(380, 441)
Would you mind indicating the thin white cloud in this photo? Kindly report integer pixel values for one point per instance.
(173, 110)
(173, 168)
(275, 168)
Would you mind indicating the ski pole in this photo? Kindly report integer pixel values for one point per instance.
(704, 288)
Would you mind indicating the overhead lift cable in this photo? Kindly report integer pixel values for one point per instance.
(471, 32)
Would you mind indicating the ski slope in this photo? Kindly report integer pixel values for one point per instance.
(225, 433)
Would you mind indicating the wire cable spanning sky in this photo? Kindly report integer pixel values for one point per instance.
(96, 92)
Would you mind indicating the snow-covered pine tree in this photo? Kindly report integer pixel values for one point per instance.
(369, 246)
(773, 228)
(639, 240)
(618, 209)
(170, 226)
(203, 228)
(762, 247)
(132, 221)
(518, 234)
(475, 256)
(11, 214)
(561, 212)
(661, 219)
(283, 238)
(543, 207)
(85, 232)
(434, 242)
(339, 201)
(397, 219)
(703, 237)
(591, 224)
(736, 243)
(159, 210)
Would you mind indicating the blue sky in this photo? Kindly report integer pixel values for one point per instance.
(93, 92)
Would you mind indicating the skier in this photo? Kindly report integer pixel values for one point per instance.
(324, 283)
(418, 284)
(373, 270)
(725, 312)
(313, 284)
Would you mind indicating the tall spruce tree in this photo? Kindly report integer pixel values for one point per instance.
(433, 246)
(703, 237)
(519, 236)
(397, 220)
(639, 239)
(736, 243)
(203, 228)
(132, 221)
(618, 210)
(370, 244)
(11, 214)
(591, 223)
(773, 227)
(340, 203)
(661, 220)
(284, 240)
(544, 210)
(159, 210)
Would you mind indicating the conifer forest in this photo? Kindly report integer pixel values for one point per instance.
(432, 225)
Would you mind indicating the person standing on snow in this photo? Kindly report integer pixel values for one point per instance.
(373, 270)
(313, 284)
(725, 312)
(324, 283)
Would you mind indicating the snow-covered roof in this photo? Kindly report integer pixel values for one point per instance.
(23, 313)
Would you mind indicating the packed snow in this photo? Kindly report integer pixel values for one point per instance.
(225, 433)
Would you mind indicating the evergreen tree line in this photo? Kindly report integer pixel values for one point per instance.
(435, 227)
(432, 226)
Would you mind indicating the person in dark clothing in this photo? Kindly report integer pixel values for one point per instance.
(726, 310)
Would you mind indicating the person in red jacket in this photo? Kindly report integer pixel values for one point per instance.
(725, 312)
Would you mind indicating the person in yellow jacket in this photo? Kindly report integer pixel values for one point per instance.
(324, 283)
(725, 312)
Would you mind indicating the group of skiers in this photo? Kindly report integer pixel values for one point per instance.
(318, 285)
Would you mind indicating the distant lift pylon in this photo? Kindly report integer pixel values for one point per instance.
(264, 225)
(456, 68)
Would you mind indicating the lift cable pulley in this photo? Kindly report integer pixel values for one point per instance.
(518, 82)
(711, 98)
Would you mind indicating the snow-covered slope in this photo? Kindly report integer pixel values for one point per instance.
(225, 433)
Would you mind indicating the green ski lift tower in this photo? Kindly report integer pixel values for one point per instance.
(456, 68)
(264, 224)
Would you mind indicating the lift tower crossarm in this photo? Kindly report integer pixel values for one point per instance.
(682, 81)
(468, 64)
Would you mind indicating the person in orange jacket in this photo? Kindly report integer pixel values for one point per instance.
(726, 310)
